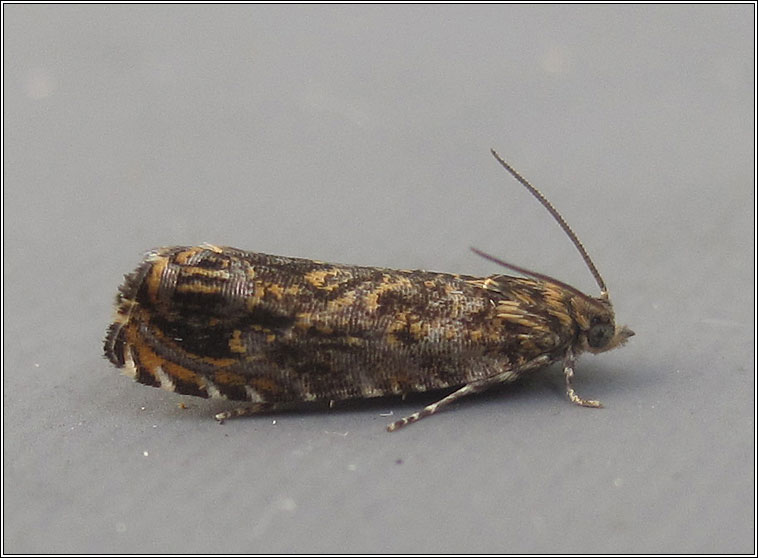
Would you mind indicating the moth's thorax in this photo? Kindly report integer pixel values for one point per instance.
(536, 312)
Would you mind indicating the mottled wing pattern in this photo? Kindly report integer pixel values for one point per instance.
(221, 322)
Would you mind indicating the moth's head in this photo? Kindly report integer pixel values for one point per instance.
(598, 331)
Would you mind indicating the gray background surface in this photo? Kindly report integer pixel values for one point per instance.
(360, 134)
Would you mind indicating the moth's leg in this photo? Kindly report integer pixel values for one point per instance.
(468, 389)
(434, 407)
(249, 410)
(568, 372)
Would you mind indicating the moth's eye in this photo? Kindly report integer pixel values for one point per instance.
(599, 335)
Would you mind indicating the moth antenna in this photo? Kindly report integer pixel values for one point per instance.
(561, 221)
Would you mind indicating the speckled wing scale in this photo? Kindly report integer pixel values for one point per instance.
(277, 332)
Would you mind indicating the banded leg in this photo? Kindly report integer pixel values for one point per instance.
(434, 407)
(568, 372)
(468, 389)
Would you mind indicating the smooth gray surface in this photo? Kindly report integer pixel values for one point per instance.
(360, 134)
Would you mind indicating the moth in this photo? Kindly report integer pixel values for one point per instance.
(277, 332)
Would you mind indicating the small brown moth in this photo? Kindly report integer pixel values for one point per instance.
(278, 331)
